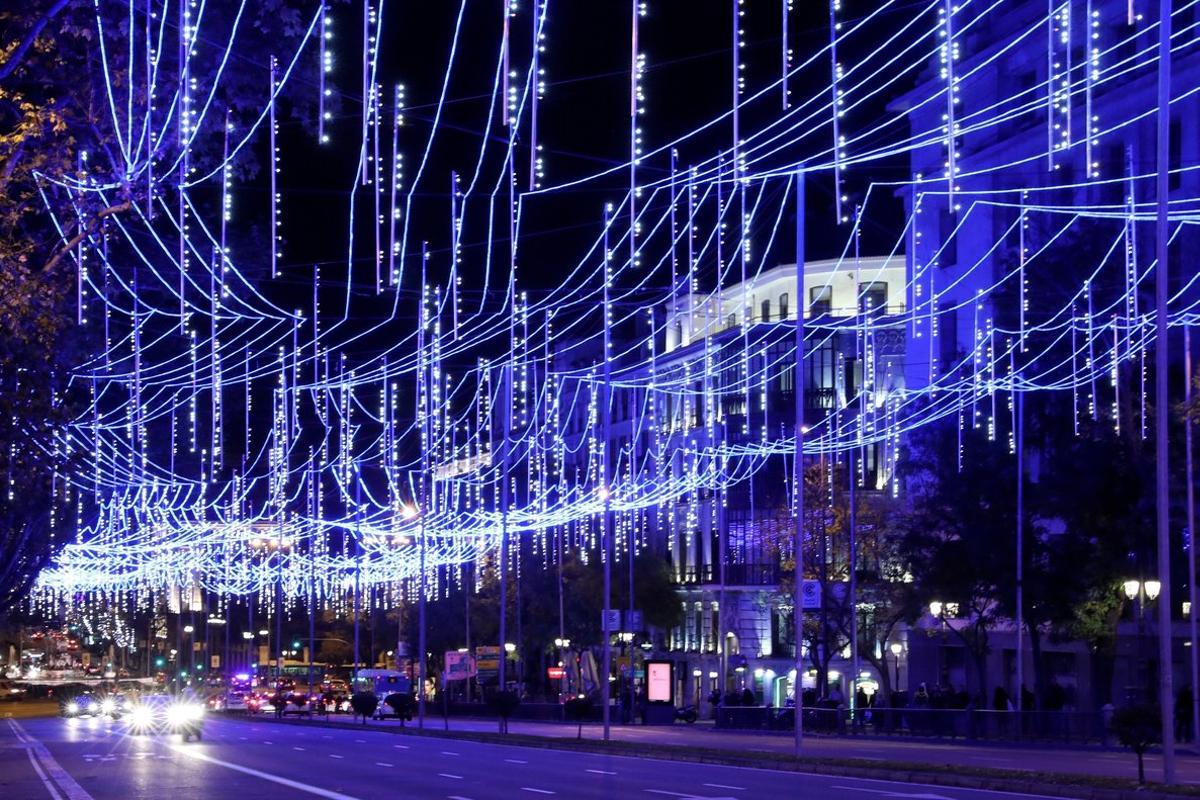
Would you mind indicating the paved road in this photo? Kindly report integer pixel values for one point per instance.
(77, 760)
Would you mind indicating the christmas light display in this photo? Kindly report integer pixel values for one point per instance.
(241, 447)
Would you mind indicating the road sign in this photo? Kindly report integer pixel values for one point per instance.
(613, 622)
(635, 621)
(487, 661)
(555, 673)
(810, 595)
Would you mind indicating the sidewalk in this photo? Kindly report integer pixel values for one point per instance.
(1093, 761)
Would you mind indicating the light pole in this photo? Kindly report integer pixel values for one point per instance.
(562, 643)
(897, 648)
(247, 637)
(1139, 592)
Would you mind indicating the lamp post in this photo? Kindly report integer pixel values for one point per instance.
(897, 648)
(1139, 592)
(247, 637)
(562, 643)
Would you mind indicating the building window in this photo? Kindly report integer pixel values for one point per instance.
(820, 300)
(783, 306)
(872, 298)
(766, 310)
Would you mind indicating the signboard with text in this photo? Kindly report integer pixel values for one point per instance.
(459, 666)
(810, 595)
(487, 662)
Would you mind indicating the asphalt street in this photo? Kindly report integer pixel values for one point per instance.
(91, 760)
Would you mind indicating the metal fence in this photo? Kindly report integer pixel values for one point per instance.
(1079, 727)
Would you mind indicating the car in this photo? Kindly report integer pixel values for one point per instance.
(88, 704)
(166, 714)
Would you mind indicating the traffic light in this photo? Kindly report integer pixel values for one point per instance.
(296, 644)
(158, 662)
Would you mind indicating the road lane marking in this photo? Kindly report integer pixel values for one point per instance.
(515, 761)
(267, 742)
(335, 755)
(893, 793)
(301, 749)
(41, 774)
(449, 753)
(400, 746)
(536, 791)
(448, 775)
(457, 797)
(383, 764)
(266, 776)
(37, 751)
(724, 786)
(360, 741)
(601, 772)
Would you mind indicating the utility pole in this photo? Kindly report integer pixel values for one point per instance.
(798, 469)
(605, 489)
(1191, 523)
(1166, 693)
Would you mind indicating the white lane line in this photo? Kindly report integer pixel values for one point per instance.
(335, 755)
(457, 797)
(360, 741)
(894, 793)
(724, 786)
(266, 776)
(400, 746)
(449, 753)
(515, 761)
(301, 749)
(267, 742)
(605, 772)
(66, 784)
(41, 774)
(536, 791)
(448, 775)
(383, 764)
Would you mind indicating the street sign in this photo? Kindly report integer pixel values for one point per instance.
(810, 595)
(613, 623)
(487, 661)
(635, 621)
(555, 673)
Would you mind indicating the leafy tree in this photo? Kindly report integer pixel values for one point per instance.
(954, 538)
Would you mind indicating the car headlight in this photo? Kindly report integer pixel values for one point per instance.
(183, 713)
(141, 716)
(107, 706)
(72, 707)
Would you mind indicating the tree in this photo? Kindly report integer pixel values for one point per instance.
(1137, 727)
(953, 539)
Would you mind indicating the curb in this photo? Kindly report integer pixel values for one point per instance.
(1079, 787)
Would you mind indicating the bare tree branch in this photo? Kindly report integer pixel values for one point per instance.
(84, 232)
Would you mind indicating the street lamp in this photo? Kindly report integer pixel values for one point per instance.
(897, 648)
(1139, 592)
